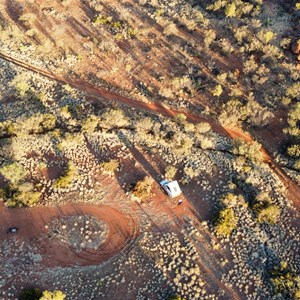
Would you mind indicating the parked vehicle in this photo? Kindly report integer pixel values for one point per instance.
(171, 187)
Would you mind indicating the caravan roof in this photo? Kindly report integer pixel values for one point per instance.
(171, 187)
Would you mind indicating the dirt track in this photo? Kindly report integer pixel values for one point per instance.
(293, 190)
(31, 223)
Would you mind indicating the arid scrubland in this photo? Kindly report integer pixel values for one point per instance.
(219, 84)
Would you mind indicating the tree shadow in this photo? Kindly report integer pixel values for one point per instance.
(15, 9)
(140, 158)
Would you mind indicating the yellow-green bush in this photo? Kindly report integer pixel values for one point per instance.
(142, 189)
(285, 282)
(225, 222)
(66, 179)
(265, 210)
(110, 167)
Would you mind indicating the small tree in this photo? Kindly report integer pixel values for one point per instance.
(180, 118)
(217, 91)
(225, 222)
(110, 167)
(250, 150)
(66, 179)
(170, 172)
(142, 189)
(265, 210)
(230, 10)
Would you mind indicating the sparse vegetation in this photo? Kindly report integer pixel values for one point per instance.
(119, 87)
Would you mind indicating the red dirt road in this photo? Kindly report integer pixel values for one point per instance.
(31, 223)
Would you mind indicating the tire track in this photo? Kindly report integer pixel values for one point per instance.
(122, 232)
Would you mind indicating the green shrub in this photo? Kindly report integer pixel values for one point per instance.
(90, 124)
(170, 172)
(22, 88)
(66, 179)
(102, 20)
(266, 36)
(294, 90)
(142, 188)
(6, 128)
(297, 164)
(250, 150)
(8, 192)
(191, 172)
(269, 214)
(294, 151)
(210, 36)
(182, 144)
(144, 126)
(285, 282)
(231, 200)
(189, 127)
(56, 295)
(14, 172)
(180, 118)
(217, 91)
(110, 167)
(114, 118)
(71, 140)
(265, 210)
(29, 198)
(65, 112)
(225, 222)
(207, 142)
(233, 113)
(230, 10)
(38, 123)
(293, 121)
(202, 127)
(175, 297)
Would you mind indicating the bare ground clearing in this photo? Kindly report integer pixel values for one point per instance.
(33, 222)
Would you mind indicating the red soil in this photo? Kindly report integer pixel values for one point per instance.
(31, 223)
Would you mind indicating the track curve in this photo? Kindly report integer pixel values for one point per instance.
(122, 231)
